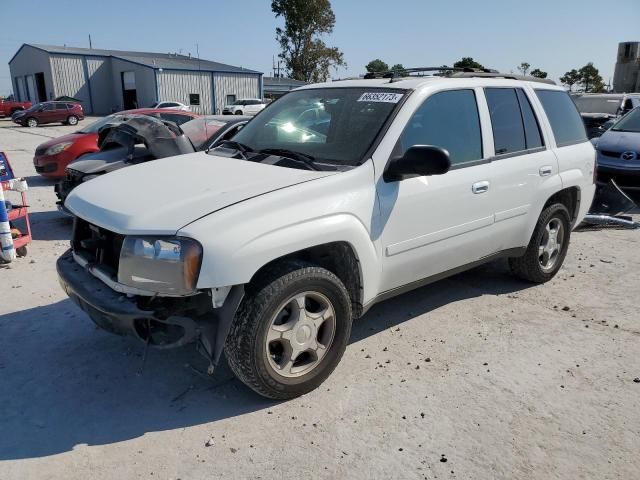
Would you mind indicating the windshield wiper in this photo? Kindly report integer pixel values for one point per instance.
(241, 147)
(308, 160)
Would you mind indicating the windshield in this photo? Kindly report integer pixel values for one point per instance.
(629, 123)
(335, 125)
(598, 104)
(96, 126)
(200, 130)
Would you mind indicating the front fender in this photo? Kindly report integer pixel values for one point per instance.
(224, 266)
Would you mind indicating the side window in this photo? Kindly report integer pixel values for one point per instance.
(49, 107)
(506, 120)
(566, 123)
(533, 137)
(449, 120)
(175, 118)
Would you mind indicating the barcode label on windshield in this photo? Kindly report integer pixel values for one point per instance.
(380, 97)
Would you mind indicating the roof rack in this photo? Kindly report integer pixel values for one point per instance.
(454, 72)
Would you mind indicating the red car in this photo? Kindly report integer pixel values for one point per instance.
(9, 107)
(49, 112)
(52, 157)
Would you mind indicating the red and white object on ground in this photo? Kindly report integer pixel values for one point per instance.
(11, 247)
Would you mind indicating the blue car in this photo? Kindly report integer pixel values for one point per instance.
(619, 152)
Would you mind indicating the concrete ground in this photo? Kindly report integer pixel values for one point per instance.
(477, 376)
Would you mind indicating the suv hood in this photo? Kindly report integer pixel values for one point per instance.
(162, 196)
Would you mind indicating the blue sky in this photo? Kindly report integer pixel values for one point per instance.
(554, 35)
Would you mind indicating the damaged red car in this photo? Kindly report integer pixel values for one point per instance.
(52, 157)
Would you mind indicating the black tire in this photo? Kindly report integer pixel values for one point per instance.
(528, 266)
(31, 122)
(245, 345)
(238, 112)
(72, 120)
(21, 251)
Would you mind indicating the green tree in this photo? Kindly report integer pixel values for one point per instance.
(570, 78)
(377, 66)
(399, 69)
(536, 72)
(467, 62)
(305, 55)
(590, 78)
(524, 67)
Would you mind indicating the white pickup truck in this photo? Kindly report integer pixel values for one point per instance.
(269, 246)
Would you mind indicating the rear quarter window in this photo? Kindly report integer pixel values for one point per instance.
(566, 123)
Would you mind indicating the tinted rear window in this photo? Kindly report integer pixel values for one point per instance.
(563, 116)
(508, 130)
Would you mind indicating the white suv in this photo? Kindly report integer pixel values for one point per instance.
(244, 106)
(275, 241)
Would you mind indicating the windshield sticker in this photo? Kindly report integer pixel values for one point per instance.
(380, 97)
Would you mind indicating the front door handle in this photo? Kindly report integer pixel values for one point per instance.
(545, 171)
(480, 187)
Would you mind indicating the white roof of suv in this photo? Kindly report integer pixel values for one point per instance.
(413, 82)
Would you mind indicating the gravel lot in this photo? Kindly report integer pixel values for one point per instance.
(477, 376)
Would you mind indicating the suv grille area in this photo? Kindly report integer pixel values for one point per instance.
(98, 246)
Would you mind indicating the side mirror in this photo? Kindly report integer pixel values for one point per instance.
(418, 161)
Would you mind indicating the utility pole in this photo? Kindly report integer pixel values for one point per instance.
(90, 47)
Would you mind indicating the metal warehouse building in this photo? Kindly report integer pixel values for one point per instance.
(111, 80)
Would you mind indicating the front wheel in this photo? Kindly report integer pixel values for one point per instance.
(238, 112)
(72, 120)
(290, 330)
(548, 246)
(32, 122)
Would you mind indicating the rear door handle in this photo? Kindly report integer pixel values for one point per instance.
(480, 187)
(545, 171)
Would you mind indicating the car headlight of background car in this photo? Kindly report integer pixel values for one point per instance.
(58, 148)
(168, 265)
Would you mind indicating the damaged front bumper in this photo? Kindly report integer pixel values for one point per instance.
(160, 322)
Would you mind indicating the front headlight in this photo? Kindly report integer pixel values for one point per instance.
(57, 148)
(168, 265)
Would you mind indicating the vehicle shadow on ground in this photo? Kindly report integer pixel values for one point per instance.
(40, 181)
(50, 225)
(64, 383)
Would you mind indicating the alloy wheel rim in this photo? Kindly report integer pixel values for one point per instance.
(300, 334)
(73, 121)
(551, 244)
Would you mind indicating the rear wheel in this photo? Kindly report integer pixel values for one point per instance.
(72, 120)
(32, 122)
(238, 112)
(290, 330)
(548, 246)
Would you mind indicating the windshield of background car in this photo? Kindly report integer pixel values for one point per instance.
(200, 130)
(96, 126)
(597, 105)
(335, 125)
(629, 123)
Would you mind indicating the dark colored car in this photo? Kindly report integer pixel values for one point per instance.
(141, 139)
(49, 112)
(619, 152)
(597, 109)
(52, 157)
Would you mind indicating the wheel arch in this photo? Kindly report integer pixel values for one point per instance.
(339, 258)
(570, 198)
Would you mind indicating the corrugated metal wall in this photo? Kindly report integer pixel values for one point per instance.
(29, 61)
(177, 85)
(69, 78)
(242, 85)
(101, 81)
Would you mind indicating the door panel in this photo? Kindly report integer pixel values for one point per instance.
(434, 224)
